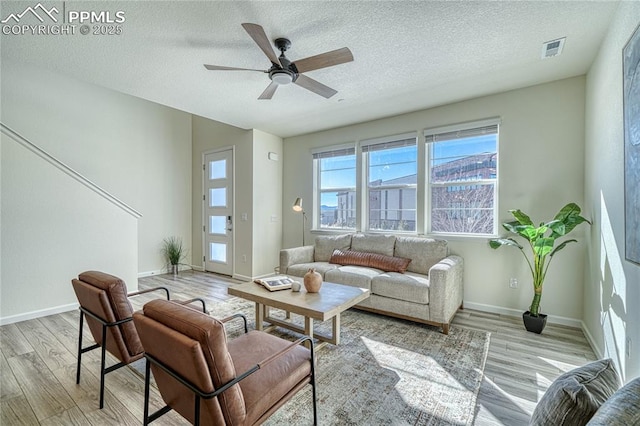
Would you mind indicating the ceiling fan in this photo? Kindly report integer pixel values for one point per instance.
(283, 71)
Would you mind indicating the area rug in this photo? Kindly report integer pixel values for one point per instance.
(385, 371)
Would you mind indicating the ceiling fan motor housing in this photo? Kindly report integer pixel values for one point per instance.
(286, 72)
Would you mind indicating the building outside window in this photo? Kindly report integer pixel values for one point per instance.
(462, 177)
(336, 187)
(391, 165)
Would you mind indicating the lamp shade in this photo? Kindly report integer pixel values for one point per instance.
(297, 206)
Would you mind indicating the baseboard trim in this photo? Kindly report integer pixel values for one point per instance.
(592, 342)
(163, 271)
(38, 314)
(552, 319)
(241, 277)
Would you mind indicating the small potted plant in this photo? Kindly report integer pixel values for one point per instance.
(173, 252)
(541, 241)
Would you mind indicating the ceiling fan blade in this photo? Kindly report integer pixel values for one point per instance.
(269, 91)
(324, 60)
(221, 68)
(315, 86)
(256, 32)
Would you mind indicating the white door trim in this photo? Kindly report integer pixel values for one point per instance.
(203, 223)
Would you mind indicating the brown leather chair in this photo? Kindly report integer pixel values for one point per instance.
(211, 381)
(104, 300)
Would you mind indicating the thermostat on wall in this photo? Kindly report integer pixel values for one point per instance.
(273, 156)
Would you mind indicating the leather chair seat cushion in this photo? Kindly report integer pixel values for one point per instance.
(409, 287)
(273, 382)
(118, 308)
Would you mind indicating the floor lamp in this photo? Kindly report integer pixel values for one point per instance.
(297, 206)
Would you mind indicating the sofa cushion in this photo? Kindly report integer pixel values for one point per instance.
(409, 287)
(373, 260)
(575, 396)
(326, 244)
(355, 276)
(423, 252)
(382, 244)
(622, 409)
(302, 268)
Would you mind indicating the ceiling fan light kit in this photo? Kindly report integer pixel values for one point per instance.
(283, 71)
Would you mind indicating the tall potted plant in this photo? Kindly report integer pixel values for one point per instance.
(173, 252)
(541, 241)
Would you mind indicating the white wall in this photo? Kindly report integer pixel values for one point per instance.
(52, 229)
(541, 169)
(137, 150)
(612, 290)
(267, 203)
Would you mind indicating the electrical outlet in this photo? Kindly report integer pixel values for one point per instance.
(244, 258)
(628, 347)
(513, 283)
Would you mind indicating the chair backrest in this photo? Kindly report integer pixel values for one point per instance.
(194, 345)
(106, 296)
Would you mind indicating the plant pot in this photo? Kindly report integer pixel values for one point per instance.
(534, 324)
(174, 269)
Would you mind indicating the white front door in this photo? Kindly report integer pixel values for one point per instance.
(218, 212)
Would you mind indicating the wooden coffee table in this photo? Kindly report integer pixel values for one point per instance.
(324, 305)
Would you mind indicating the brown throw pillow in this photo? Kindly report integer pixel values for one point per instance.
(389, 263)
(372, 260)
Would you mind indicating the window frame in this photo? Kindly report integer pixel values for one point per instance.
(328, 152)
(467, 129)
(381, 144)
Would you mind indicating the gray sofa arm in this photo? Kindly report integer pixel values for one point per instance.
(446, 288)
(294, 256)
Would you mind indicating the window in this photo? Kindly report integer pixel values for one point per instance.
(391, 166)
(462, 176)
(445, 186)
(336, 187)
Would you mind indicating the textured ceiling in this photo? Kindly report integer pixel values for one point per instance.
(409, 55)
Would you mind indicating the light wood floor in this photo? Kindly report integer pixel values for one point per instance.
(38, 363)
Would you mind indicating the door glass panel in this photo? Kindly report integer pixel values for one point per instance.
(217, 224)
(218, 197)
(218, 169)
(218, 252)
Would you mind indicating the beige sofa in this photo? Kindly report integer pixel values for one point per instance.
(430, 291)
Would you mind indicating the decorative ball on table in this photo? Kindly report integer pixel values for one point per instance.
(312, 281)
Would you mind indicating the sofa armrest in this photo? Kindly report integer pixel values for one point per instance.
(294, 256)
(446, 288)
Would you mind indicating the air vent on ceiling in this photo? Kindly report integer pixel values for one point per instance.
(552, 48)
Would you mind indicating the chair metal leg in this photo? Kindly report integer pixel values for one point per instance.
(197, 418)
(102, 370)
(147, 379)
(313, 386)
(79, 348)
